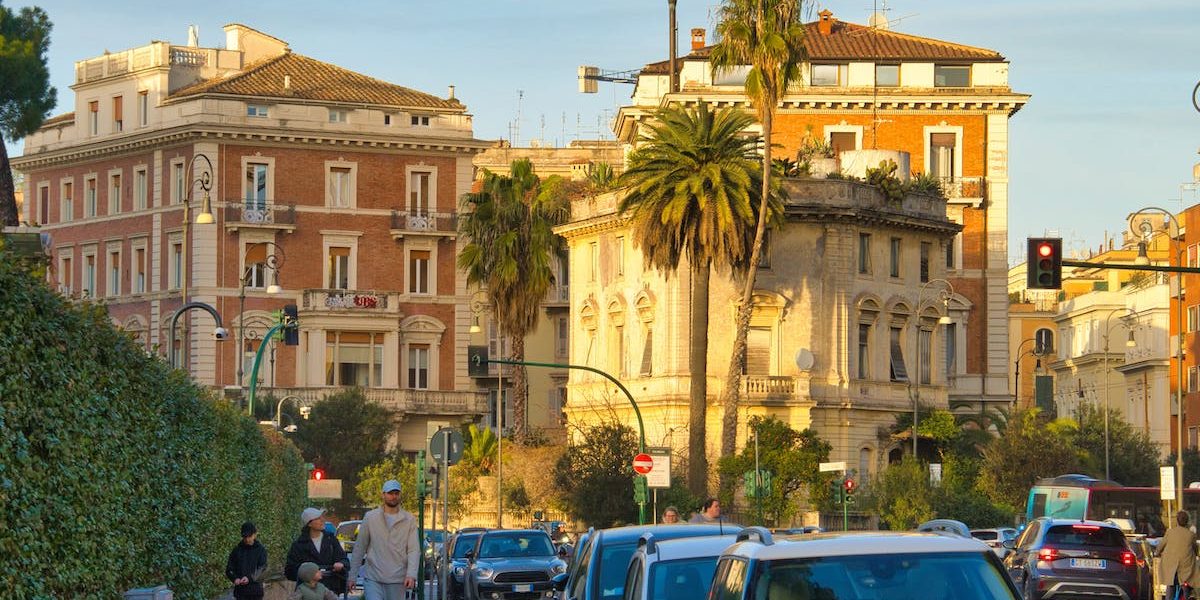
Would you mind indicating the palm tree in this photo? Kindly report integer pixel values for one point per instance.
(768, 36)
(509, 225)
(690, 191)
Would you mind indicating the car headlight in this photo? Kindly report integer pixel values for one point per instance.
(459, 571)
(558, 567)
(484, 572)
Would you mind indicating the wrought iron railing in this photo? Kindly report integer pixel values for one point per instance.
(424, 221)
(400, 400)
(260, 213)
(962, 187)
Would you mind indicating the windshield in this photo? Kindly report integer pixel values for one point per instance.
(1084, 535)
(435, 535)
(682, 579)
(984, 535)
(510, 545)
(464, 544)
(614, 562)
(933, 576)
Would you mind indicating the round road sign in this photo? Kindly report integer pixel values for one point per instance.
(643, 464)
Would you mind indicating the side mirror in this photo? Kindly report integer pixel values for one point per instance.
(559, 582)
(470, 555)
(1010, 544)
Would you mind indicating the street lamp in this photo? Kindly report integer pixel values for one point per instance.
(1036, 351)
(220, 333)
(270, 263)
(1146, 229)
(943, 294)
(205, 217)
(480, 304)
(1129, 343)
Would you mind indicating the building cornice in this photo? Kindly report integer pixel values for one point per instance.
(592, 225)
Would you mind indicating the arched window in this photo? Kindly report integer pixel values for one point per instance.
(1043, 341)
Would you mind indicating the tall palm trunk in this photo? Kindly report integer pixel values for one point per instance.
(8, 201)
(520, 390)
(733, 381)
(698, 372)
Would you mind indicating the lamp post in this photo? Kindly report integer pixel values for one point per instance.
(1017, 371)
(1129, 343)
(943, 293)
(279, 409)
(1146, 230)
(480, 304)
(205, 217)
(220, 333)
(271, 264)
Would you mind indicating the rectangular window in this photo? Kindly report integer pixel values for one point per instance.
(894, 266)
(594, 261)
(140, 189)
(89, 198)
(89, 276)
(338, 116)
(256, 266)
(66, 276)
(648, 353)
(420, 120)
(558, 399)
(340, 189)
(114, 273)
(950, 253)
(176, 275)
(951, 350)
(418, 193)
(1192, 255)
(114, 194)
(67, 209)
(864, 253)
(139, 271)
(887, 75)
(926, 249)
(1191, 382)
(941, 154)
(897, 370)
(387, 119)
(616, 349)
(758, 352)
(864, 351)
(562, 337)
(1193, 317)
(118, 113)
(418, 272)
(43, 206)
(143, 107)
(354, 358)
(256, 186)
(418, 366)
(94, 117)
(339, 268)
(925, 343)
(841, 141)
(829, 75)
(256, 110)
(619, 255)
(177, 185)
(951, 76)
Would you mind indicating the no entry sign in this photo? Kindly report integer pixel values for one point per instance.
(643, 464)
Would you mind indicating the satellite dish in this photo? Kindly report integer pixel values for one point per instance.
(878, 20)
(804, 359)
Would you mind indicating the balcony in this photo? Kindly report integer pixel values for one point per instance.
(770, 388)
(255, 215)
(350, 301)
(423, 223)
(964, 189)
(429, 402)
(558, 296)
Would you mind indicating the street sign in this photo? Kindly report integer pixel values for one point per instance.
(1166, 483)
(330, 489)
(643, 464)
(437, 444)
(832, 466)
(477, 361)
(935, 473)
(660, 473)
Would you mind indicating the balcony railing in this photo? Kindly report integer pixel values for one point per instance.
(399, 400)
(956, 188)
(774, 387)
(349, 300)
(260, 213)
(424, 222)
(558, 294)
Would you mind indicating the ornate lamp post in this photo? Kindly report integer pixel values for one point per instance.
(270, 265)
(203, 179)
(1129, 343)
(942, 296)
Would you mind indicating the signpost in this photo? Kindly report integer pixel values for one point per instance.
(660, 474)
(831, 466)
(325, 489)
(1166, 483)
(643, 464)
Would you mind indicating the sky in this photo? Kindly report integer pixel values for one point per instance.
(1110, 127)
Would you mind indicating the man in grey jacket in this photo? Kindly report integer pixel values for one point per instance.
(387, 544)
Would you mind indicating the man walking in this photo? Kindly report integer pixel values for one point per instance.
(710, 512)
(1177, 555)
(387, 543)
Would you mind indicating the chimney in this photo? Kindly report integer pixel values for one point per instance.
(287, 83)
(193, 36)
(450, 93)
(825, 25)
(697, 38)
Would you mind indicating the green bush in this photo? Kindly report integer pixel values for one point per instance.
(115, 471)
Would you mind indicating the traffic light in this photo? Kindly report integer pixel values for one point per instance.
(291, 325)
(1044, 264)
(837, 490)
(850, 485)
(318, 474)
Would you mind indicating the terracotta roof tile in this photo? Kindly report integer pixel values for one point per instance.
(312, 79)
(59, 119)
(851, 41)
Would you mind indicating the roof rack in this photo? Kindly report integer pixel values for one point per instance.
(762, 533)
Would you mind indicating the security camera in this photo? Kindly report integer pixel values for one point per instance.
(221, 334)
(290, 429)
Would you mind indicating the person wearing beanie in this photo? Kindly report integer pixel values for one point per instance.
(387, 542)
(315, 546)
(309, 586)
(246, 565)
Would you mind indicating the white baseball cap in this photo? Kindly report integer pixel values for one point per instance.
(309, 514)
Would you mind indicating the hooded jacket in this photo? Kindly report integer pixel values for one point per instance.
(303, 551)
(247, 561)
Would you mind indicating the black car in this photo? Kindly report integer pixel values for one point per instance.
(512, 563)
(458, 546)
(602, 558)
(1062, 558)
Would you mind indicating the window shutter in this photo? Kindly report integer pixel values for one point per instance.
(899, 372)
(648, 353)
(946, 140)
(758, 352)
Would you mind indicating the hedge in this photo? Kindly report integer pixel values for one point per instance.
(115, 471)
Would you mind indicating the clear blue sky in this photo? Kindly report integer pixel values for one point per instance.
(1110, 127)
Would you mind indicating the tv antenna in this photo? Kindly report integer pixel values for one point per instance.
(589, 75)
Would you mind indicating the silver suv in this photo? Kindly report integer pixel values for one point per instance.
(866, 566)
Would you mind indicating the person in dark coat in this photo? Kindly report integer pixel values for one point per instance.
(315, 546)
(247, 564)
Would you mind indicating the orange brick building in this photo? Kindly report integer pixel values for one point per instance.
(339, 188)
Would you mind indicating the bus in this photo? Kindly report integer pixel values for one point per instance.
(1080, 497)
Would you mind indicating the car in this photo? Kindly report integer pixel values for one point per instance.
(432, 545)
(347, 533)
(1055, 558)
(678, 569)
(877, 565)
(1147, 571)
(512, 563)
(457, 547)
(602, 558)
(995, 538)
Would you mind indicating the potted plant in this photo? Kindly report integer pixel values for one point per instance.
(816, 157)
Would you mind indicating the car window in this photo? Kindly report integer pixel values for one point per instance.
(1080, 534)
(729, 580)
(496, 545)
(683, 579)
(1028, 535)
(933, 576)
(463, 544)
(984, 535)
(579, 576)
(633, 582)
(614, 560)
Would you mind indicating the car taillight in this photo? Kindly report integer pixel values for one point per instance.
(1047, 554)
(1127, 558)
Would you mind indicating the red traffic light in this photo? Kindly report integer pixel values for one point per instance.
(1044, 264)
(849, 484)
(318, 474)
(1045, 249)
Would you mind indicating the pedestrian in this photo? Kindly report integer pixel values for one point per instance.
(315, 546)
(309, 586)
(246, 565)
(560, 536)
(710, 512)
(387, 543)
(1177, 554)
(670, 515)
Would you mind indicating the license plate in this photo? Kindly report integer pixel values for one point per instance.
(524, 587)
(1088, 563)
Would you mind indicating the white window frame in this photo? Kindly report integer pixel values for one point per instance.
(340, 240)
(410, 180)
(875, 74)
(857, 130)
(135, 245)
(957, 130)
(66, 205)
(93, 117)
(250, 238)
(258, 111)
(41, 210)
(66, 270)
(177, 172)
(113, 267)
(143, 107)
(410, 348)
(424, 330)
(430, 269)
(269, 161)
(115, 209)
(351, 201)
(88, 280)
(420, 120)
(93, 201)
(619, 255)
(970, 75)
(118, 119)
(843, 74)
(339, 115)
(175, 266)
(141, 187)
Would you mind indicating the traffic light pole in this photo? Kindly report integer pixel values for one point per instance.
(1160, 268)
